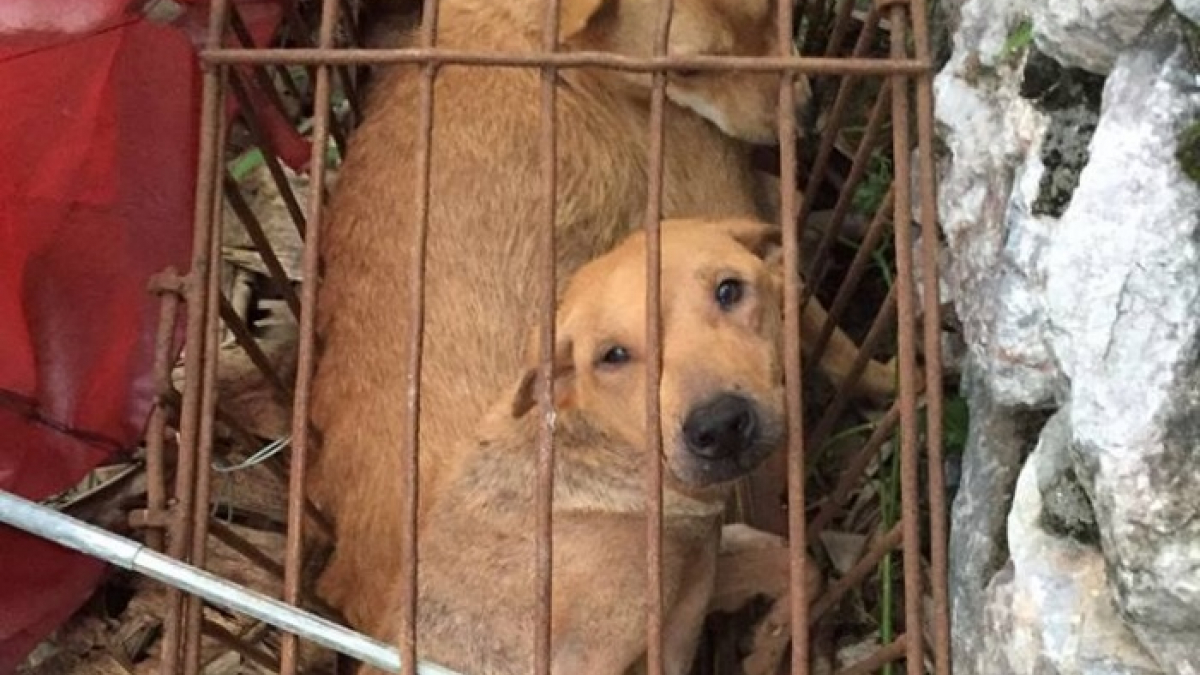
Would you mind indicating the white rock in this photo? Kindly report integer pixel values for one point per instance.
(1089, 34)
(1051, 604)
(1124, 299)
(1188, 8)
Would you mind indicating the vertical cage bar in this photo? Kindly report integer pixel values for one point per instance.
(208, 405)
(909, 476)
(167, 286)
(932, 311)
(294, 548)
(412, 413)
(189, 428)
(545, 476)
(654, 469)
(793, 392)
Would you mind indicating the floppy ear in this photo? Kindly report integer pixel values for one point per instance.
(574, 16)
(525, 393)
(762, 239)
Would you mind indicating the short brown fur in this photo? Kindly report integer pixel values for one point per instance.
(485, 211)
(476, 608)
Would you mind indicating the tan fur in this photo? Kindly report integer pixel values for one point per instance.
(486, 208)
(476, 611)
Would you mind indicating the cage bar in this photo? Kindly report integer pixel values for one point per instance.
(545, 467)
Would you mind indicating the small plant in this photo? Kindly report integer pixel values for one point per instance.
(1018, 40)
(875, 185)
(955, 425)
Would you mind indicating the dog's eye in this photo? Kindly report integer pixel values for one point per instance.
(615, 356)
(729, 293)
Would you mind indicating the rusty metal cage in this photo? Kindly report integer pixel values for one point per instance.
(871, 66)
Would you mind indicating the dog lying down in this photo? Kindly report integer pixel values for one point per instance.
(722, 414)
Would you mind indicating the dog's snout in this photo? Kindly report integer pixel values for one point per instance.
(721, 428)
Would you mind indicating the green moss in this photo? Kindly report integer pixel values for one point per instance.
(874, 186)
(1187, 151)
(1018, 41)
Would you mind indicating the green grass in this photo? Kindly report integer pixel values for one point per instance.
(874, 186)
(1018, 40)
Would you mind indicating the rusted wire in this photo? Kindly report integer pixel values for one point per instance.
(248, 113)
(208, 405)
(226, 535)
(261, 76)
(907, 355)
(858, 267)
(239, 645)
(580, 59)
(845, 390)
(853, 471)
(793, 391)
(197, 320)
(304, 36)
(654, 361)
(862, 158)
(250, 222)
(854, 576)
(841, 24)
(167, 285)
(410, 466)
(545, 476)
(933, 350)
(833, 123)
(241, 334)
(301, 436)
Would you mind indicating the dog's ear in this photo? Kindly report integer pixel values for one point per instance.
(762, 239)
(574, 16)
(525, 393)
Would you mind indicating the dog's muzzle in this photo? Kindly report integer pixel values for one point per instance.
(725, 427)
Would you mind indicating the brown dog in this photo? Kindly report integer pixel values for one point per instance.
(722, 413)
(486, 205)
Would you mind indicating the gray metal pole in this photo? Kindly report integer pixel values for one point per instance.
(80, 536)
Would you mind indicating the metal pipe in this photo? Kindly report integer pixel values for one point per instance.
(79, 536)
(581, 59)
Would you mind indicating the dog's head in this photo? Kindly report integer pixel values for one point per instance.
(721, 390)
(743, 105)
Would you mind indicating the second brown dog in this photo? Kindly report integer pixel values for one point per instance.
(721, 414)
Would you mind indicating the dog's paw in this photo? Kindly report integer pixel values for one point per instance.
(739, 537)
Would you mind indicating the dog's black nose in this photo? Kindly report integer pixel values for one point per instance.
(723, 427)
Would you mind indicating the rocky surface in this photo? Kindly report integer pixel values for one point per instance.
(1044, 599)
(1089, 34)
(1072, 222)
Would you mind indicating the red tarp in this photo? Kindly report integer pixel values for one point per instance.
(98, 136)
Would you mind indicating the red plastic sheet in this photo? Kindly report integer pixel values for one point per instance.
(98, 140)
(98, 135)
